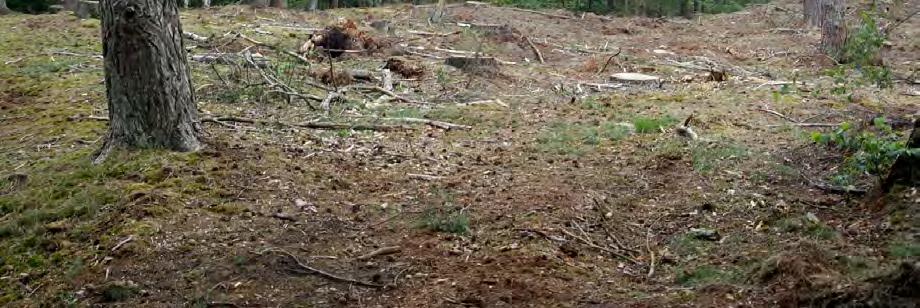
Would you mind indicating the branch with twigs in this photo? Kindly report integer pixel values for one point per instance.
(604, 68)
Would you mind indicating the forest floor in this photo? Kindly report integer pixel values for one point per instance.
(560, 192)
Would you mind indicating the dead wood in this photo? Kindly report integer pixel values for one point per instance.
(404, 67)
(320, 272)
(604, 68)
(382, 251)
(424, 177)
(313, 125)
(536, 51)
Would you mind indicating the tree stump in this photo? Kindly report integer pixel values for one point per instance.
(148, 89)
(814, 12)
(3, 8)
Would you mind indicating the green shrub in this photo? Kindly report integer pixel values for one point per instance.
(445, 220)
(868, 151)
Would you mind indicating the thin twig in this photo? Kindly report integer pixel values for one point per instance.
(382, 251)
(774, 112)
(604, 68)
(321, 272)
(593, 245)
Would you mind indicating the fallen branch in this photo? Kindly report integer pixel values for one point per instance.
(321, 272)
(774, 112)
(535, 50)
(593, 245)
(396, 96)
(424, 177)
(540, 13)
(807, 124)
(194, 37)
(382, 251)
(435, 123)
(313, 125)
(832, 188)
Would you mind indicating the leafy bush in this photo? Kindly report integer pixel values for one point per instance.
(868, 151)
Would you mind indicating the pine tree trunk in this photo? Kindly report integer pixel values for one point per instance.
(206, 3)
(258, 4)
(335, 4)
(150, 99)
(438, 12)
(313, 5)
(71, 5)
(3, 8)
(814, 12)
(833, 29)
(906, 169)
(281, 4)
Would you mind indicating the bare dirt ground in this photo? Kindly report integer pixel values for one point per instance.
(558, 195)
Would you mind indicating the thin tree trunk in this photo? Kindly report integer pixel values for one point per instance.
(438, 12)
(71, 5)
(3, 8)
(206, 3)
(906, 169)
(335, 4)
(313, 5)
(258, 4)
(833, 29)
(185, 3)
(814, 12)
(150, 99)
(281, 4)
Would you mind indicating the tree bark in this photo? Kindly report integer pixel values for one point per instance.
(906, 169)
(833, 29)
(150, 99)
(258, 4)
(71, 5)
(438, 12)
(281, 4)
(814, 12)
(313, 5)
(3, 8)
(335, 4)
(206, 3)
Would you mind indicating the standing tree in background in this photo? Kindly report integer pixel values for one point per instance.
(438, 12)
(206, 3)
(313, 5)
(3, 8)
(279, 4)
(150, 99)
(814, 12)
(833, 28)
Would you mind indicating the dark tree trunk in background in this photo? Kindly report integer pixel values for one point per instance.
(815, 12)
(833, 29)
(3, 8)
(281, 4)
(906, 169)
(149, 92)
(71, 5)
(335, 4)
(258, 4)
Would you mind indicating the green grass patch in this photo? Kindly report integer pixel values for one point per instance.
(646, 125)
(445, 220)
(709, 157)
(904, 249)
(577, 139)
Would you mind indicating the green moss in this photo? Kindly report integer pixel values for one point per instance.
(709, 157)
(443, 220)
(706, 274)
(904, 249)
